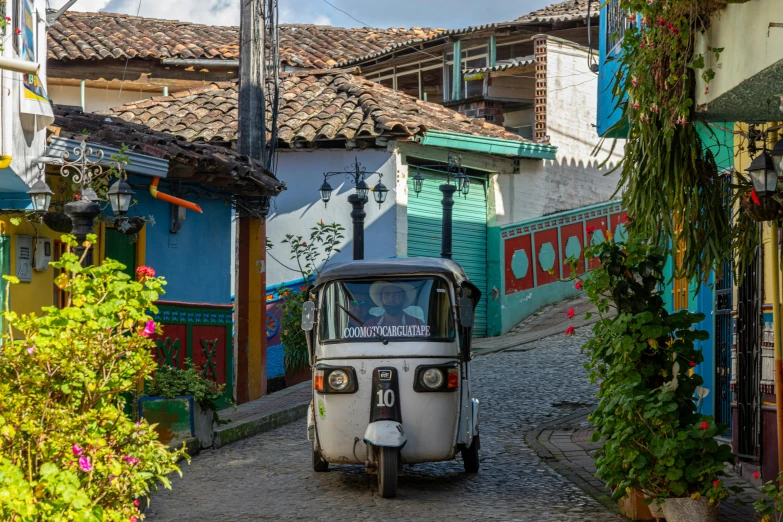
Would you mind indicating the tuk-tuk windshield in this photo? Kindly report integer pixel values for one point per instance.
(397, 309)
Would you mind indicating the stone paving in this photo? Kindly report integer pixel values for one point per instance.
(269, 476)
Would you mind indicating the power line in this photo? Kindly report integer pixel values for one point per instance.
(125, 70)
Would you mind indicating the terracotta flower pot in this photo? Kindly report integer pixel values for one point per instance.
(689, 510)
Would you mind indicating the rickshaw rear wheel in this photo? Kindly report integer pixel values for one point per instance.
(470, 456)
(319, 464)
(388, 459)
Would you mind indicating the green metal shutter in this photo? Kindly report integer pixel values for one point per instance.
(120, 248)
(469, 240)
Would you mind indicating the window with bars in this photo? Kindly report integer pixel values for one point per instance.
(617, 22)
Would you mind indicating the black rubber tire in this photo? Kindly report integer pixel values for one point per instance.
(319, 464)
(470, 456)
(388, 459)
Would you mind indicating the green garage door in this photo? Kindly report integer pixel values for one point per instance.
(469, 238)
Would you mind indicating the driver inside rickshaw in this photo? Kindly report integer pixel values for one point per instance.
(393, 299)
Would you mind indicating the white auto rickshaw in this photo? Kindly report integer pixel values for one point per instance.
(389, 348)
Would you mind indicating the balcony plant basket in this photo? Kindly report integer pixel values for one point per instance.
(58, 221)
(129, 225)
(768, 210)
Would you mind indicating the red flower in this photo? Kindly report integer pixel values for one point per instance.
(570, 330)
(662, 22)
(570, 313)
(757, 475)
(77, 196)
(590, 229)
(692, 363)
(578, 284)
(18, 31)
(7, 18)
(755, 197)
(716, 484)
(304, 243)
(145, 271)
(704, 425)
(136, 502)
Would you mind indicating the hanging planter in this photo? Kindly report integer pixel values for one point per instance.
(766, 209)
(129, 226)
(58, 221)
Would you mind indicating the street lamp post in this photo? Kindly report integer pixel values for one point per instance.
(357, 200)
(83, 171)
(455, 171)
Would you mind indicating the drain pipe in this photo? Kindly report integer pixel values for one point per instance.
(171, 199)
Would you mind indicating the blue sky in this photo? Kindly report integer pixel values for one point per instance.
(399, 13)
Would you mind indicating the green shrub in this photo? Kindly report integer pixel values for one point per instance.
(653, 437)
(67, 451)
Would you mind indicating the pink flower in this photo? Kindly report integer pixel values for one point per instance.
(578, 284)
(636, 105)
(570, 313)
(85, 464)
(716, 484)
(149, 329)
(570, 330)
(757, 475)
(136, 502)
(130, 460)
(635, 82)
(704, 425)
(31, 350)
(133, 519)
(77, 450)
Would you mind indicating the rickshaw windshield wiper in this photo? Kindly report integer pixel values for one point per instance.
(372, 328)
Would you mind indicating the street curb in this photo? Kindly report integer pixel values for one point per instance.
(244, 429)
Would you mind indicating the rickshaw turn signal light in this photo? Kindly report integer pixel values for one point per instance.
(318, 380)
(453, 379)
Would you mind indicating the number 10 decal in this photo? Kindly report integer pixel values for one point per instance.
(385, 398)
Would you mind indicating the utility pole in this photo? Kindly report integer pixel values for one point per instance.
(250, 291)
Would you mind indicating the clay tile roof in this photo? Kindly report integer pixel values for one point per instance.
(568, 11)
(213, 165)
(330, 105)
(98, 36)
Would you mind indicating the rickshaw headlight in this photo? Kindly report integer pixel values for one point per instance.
(432, 378)
(338, 380)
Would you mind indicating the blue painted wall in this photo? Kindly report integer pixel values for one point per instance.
(608, 68)
(196, 261)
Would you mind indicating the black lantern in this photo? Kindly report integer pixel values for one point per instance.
(41, 195)
(459, 179)
(466, 186)
(379, 192)
(777, 157)
(362, 189)
(762, 173)
(418, 181)
(120, 195)
(89, 194)
(326, 192)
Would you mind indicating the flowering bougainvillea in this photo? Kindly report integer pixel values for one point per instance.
(67, 449)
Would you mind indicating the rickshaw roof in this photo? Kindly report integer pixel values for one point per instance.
(409, 266)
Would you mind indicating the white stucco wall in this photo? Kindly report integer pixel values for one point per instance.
(97, 100)
(299, 208)
(20, 135)
(573, 179)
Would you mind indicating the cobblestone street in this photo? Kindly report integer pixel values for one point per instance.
(270, 477)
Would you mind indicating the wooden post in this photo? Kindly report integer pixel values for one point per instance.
(250, 292)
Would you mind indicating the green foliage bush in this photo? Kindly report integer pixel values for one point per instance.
(653, 437)
(67, 451)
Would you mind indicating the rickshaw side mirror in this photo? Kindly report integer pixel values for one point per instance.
(466, 312)
(308, 315)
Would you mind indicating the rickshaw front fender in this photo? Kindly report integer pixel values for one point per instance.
(385, 434)
(475, 416)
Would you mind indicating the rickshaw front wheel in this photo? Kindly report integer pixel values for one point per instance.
(388, 459)
(470, 456)
(319, 464)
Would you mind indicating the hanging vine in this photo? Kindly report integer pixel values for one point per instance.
(670, 182)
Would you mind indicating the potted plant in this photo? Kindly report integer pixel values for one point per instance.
(770, 505)
(183, 403)
(653, 438)
(310, 256)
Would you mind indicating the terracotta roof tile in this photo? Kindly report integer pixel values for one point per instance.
(568, 11)
(96, 36)
(313, 107)
(213, 164)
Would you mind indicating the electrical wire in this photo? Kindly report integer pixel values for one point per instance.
(125, 70)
